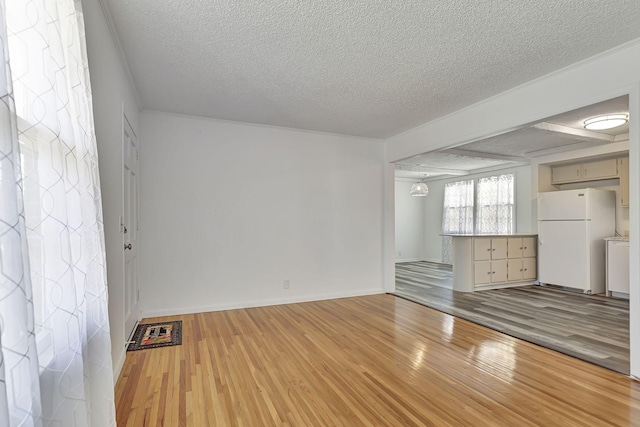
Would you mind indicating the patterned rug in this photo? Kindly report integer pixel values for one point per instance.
(153, 335)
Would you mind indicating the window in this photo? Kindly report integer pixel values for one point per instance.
(457, 215)
(494, 208)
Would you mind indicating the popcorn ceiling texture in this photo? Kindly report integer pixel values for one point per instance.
(355, 67)
(442, 159)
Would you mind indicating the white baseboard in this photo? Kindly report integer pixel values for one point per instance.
(436, 261)
(174, 311)
(407, 260)
(117, 369)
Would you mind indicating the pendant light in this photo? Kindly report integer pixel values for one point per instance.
(419, 189)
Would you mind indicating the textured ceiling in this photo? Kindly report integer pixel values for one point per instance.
(442, 159)
(525, 143)
(576, 118)
(356, 67)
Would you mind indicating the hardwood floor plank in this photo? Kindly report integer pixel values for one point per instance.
(366, 361)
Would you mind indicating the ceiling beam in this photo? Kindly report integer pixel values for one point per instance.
(588, 135)
(483, 155)
(427, 168)
(422, 168)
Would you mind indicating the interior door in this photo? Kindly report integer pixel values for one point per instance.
(130, 227)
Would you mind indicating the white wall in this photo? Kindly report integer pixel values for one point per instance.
(602, 77)
(410, 222)
(229, 211)
(111, 93)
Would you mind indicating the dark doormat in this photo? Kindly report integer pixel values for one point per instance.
(153, 335)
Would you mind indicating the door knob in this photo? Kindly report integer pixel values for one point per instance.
(128, 246)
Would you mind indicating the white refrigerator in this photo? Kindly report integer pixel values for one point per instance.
(571, 227)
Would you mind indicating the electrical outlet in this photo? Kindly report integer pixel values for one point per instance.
(286, 283)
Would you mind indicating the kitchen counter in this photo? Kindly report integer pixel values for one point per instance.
(491, 235)
(492, 261)
(617, 239)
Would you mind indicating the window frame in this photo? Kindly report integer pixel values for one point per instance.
(475, 203)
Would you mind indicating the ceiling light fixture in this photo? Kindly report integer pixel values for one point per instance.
(419, 189)
(606, 122)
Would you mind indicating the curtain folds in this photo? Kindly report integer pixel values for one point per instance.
(457, 214)
(55, 366)
(494, 212)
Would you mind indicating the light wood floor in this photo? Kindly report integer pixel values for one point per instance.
(376, 360)
(591, 327)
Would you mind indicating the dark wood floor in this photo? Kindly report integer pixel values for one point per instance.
(592, 328)
(368, 361)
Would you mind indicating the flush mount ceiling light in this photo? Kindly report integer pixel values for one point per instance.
(419, 189)
(606, 122)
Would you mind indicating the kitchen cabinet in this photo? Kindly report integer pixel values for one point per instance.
(485, 248)
(521, 269)
(486, 272)
(601, 169)
(490, 262)
(521, 247)
(567, 173)
(623, 170)
(585, 171)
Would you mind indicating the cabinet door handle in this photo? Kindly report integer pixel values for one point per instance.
(585, 172)
(493, 272)
(525, 269)
(493, 249)
(525, 247)
(520, 269)
(489, 249)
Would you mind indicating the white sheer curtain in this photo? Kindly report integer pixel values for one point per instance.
(54, 337)
(494, 210)
(457, 214)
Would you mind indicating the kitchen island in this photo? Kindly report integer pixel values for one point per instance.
(492, 261)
